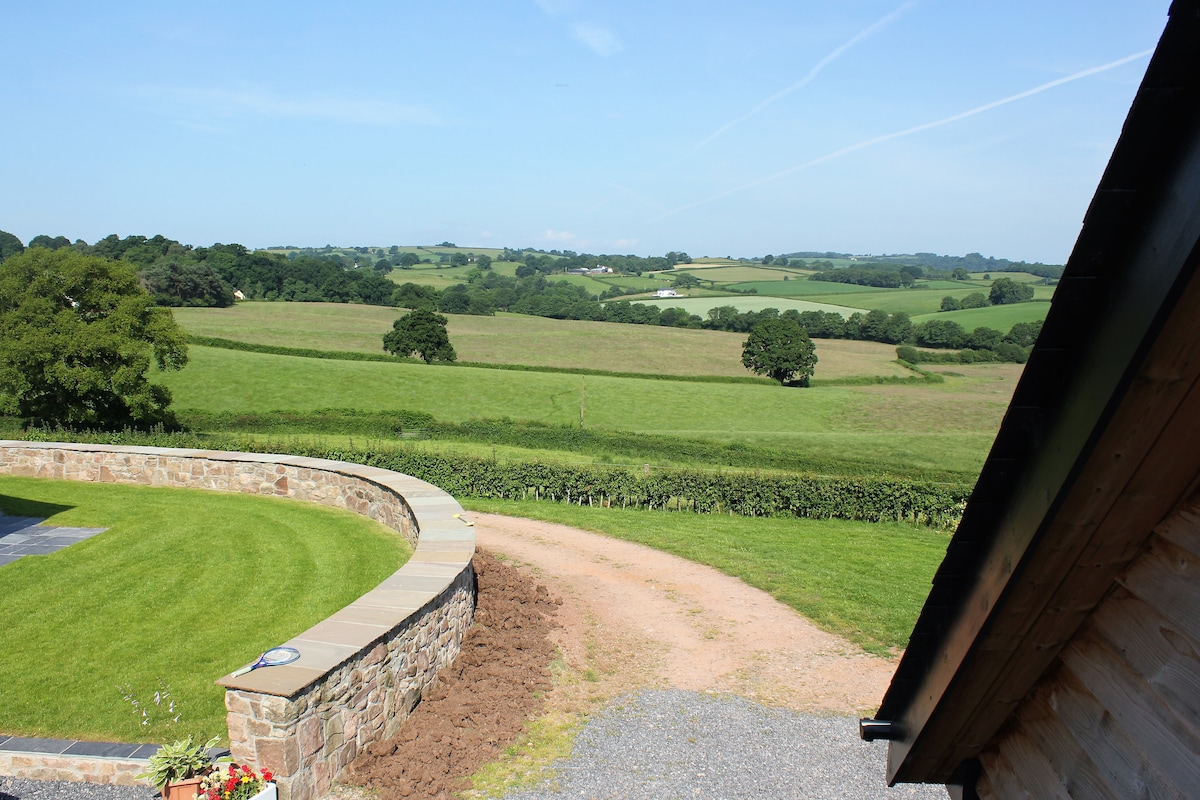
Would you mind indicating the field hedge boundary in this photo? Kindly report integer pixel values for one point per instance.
(928, 504)
(636, 448)
(349, 355)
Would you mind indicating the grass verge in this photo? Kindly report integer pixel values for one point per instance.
(863, 581)
(183, 587)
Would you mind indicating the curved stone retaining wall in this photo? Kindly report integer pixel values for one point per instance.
(361, 671)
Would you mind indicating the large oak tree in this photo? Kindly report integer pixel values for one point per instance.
(781, 349)
(422, 333)
(78, 335)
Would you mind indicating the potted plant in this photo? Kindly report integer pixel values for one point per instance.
(176, 768)
(233, 782)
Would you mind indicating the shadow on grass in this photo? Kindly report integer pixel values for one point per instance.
(23, 507)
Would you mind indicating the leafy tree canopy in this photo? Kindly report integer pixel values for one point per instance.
(77, 337)
(1006, 290)
(422, 333)
(10, 245)
(780, 349)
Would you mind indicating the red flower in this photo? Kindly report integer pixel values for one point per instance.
(267, 776)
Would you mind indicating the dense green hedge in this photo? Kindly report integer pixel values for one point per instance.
(753, 495)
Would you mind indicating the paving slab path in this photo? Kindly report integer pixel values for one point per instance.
(27, 536)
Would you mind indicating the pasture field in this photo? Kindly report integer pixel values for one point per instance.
(439, 277)
(184, 586)
(806, 288)
(1002, 318)
(524, 340)
(1019, 277)
(710, 261)
(828, 570)
(888, 429)
(741, 273)
(954, 287)
(655, 280)
(592, 285)
(752, 302)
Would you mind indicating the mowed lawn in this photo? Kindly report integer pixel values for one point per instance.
(524, 340)
(830, 571)
(871, 429)
(184, 587)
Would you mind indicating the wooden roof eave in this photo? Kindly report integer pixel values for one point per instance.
(1096, 448)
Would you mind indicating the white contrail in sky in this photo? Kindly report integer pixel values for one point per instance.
(812, 73)
(909, 131)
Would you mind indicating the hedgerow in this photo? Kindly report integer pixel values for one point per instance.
(674, 490)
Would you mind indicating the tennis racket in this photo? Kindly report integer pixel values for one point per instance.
(274, 657)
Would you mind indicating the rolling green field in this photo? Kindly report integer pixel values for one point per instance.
(522, 339)
(750, 302)
(806, 288)
(871, 429)
(1001, 318)
(917, 302)
(742, 273)
(185, 585)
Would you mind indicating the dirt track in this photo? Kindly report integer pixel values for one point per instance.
(642, 618)
(621, 617)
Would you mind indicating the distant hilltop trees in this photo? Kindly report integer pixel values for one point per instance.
(971, 262)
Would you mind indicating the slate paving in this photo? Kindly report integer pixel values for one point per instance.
(27, 536)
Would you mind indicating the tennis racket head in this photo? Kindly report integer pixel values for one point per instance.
(275, 657)
(278, 656)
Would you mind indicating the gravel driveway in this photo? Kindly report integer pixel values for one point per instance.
(667, 745)
(662, 745)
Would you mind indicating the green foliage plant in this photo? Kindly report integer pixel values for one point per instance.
(78, 335)
(179, 761)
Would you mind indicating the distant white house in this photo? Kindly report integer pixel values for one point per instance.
(666, 293)
(237, 295)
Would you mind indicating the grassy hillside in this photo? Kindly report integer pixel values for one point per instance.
(871, 429)
(525, 340)
(1002, 318)
(750, 302)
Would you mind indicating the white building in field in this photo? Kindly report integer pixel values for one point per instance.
(666, 293)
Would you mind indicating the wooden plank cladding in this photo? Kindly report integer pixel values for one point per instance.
(1119, 715)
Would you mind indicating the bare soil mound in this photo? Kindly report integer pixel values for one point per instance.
(479, 704)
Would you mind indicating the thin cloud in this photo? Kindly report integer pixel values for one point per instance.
(554, 8)
(597, 38)
(909, 131)
(812, 73)
(227, 102)
(558, 236)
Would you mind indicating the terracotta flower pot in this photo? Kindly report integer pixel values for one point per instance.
(183, 790)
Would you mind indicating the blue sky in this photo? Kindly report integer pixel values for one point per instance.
(714, 128)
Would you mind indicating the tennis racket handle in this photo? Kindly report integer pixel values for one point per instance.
(241, 671)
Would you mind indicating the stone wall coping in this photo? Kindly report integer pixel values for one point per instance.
(444, 548)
